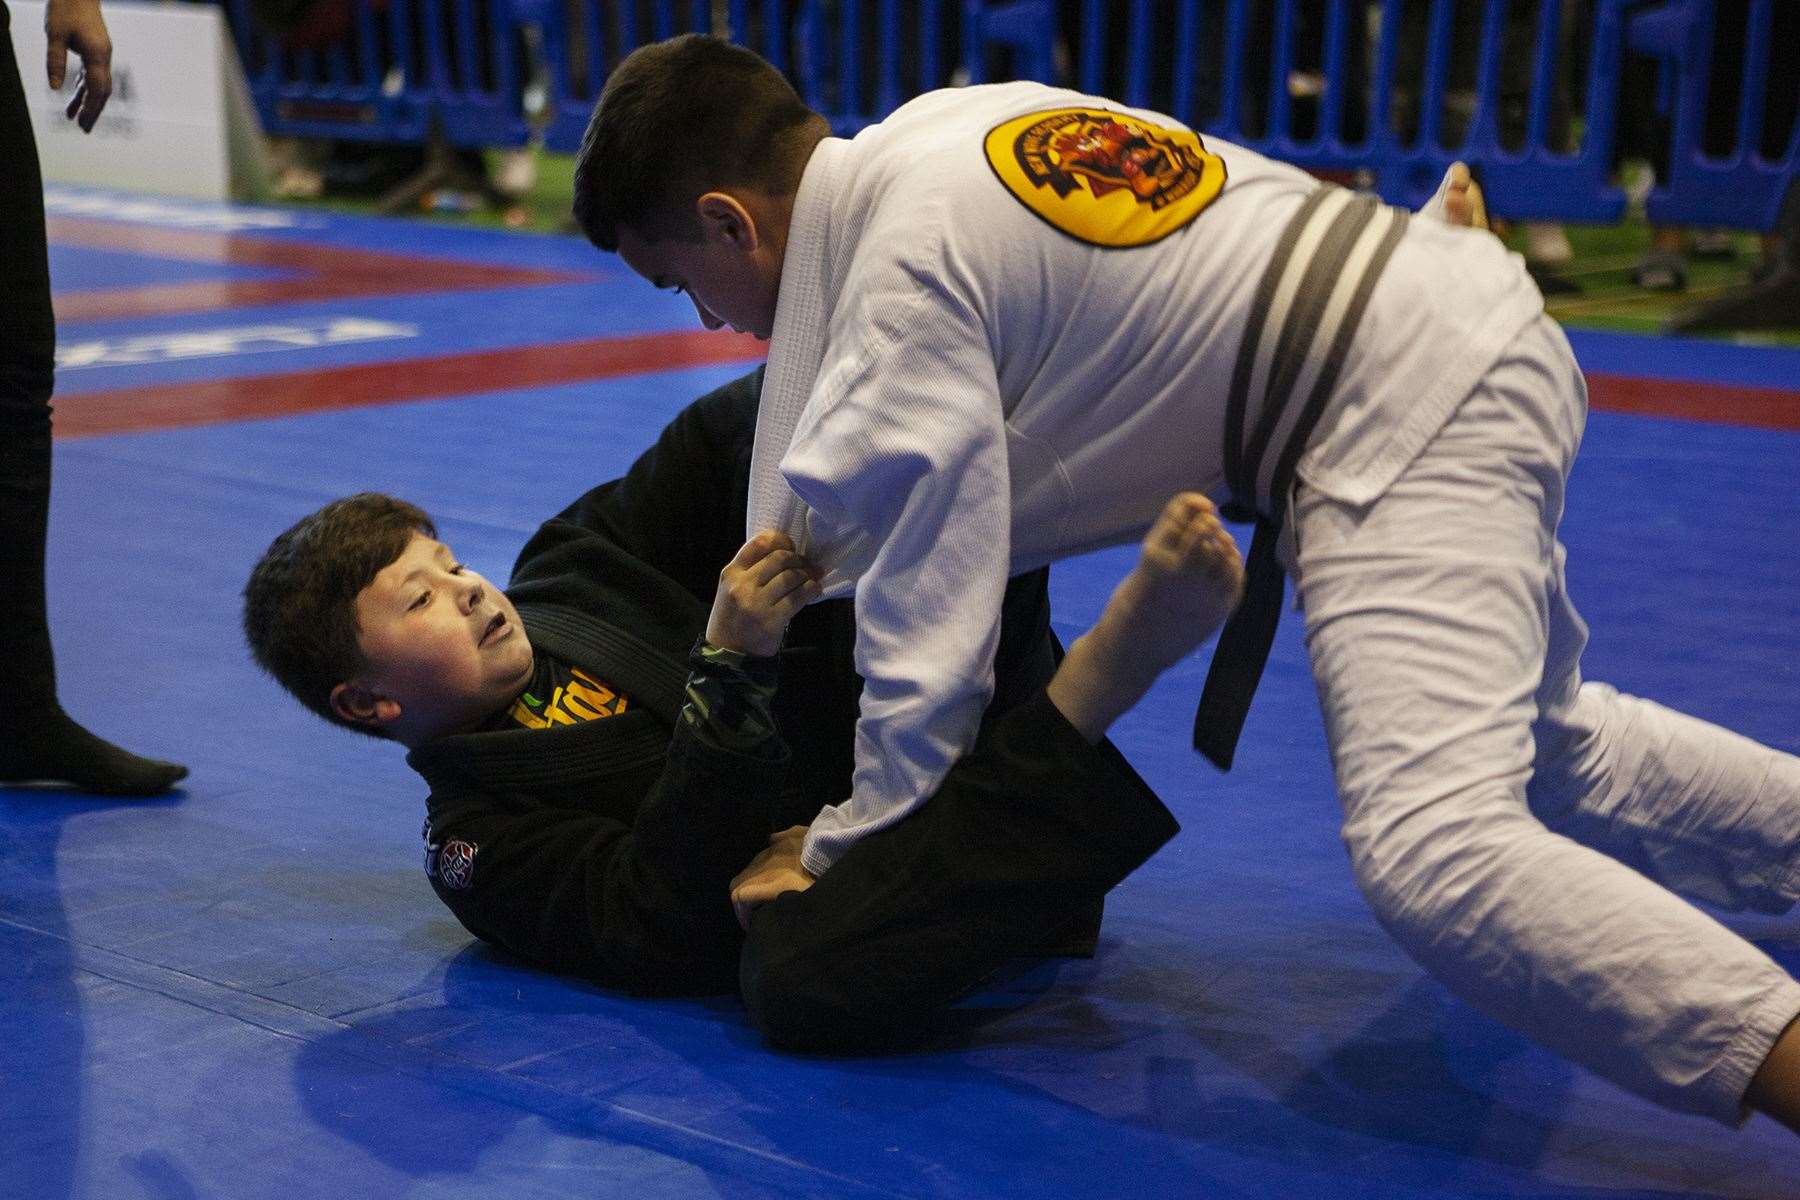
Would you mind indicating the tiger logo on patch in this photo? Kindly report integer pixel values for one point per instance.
(1103, 177)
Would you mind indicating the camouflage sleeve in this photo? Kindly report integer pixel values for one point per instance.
(728, 699)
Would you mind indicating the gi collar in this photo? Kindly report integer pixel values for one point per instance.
(797, 342)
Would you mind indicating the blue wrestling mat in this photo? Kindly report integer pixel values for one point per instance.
(247, 989)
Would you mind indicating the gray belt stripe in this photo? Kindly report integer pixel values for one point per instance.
(1342, 292)
(1246, 361)
(1318, 301)
(1334, 362)
(1302, 329)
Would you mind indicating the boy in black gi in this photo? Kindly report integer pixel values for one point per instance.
(596, 784)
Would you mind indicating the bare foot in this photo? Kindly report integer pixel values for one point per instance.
(1187, 580)
(1458, 200)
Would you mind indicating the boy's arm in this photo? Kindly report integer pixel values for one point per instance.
(905, 447)
(647, 909)
(642, 907)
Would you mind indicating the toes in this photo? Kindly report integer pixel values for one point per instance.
(1478, 218)
(1462, 199)
(1188, 506)
(1189, 539)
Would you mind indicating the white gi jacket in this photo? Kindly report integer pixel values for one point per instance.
(958, 391)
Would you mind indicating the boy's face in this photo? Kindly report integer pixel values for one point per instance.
(732, 273)
(445, 647)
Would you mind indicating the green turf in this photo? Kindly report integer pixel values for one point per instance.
(545, 209)
(1608, 299)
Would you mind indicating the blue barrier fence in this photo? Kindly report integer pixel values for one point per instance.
(1730, 86)
(1535, 93)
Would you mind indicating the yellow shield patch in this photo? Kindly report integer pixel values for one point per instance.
(1105, 177)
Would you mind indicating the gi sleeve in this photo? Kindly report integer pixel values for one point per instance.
(902, 451)
(643, 907)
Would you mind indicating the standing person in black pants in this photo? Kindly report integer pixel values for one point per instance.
(38, 741)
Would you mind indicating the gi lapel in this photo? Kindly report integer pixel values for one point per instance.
(650, 677)
(797, 345)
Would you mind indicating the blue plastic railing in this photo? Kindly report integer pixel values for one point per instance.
(1383, 92)
(1743, 183)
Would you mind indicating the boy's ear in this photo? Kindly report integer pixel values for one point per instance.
(723, 217)
(360, 706)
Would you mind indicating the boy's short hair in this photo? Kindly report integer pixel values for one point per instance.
(680, 118)
(300, 602)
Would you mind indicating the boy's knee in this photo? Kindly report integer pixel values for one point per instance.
(1377, 877)
(788, 997)
(1574, 751)
(1385, 855)
(1417, 868)
(805, 1001)
(763, 985)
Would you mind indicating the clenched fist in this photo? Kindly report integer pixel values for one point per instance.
(760, 590)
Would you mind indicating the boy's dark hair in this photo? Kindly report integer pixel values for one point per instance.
(680, 118)
(300, 602)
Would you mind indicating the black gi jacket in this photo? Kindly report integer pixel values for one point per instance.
(605, 849)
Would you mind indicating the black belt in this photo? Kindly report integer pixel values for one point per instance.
(1302, 321)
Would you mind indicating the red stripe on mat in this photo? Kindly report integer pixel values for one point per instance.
(133, 410)
(1724, 403)
(174, 406)
(325, 272)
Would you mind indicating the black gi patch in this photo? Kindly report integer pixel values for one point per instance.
(452, 863)
(456, 864)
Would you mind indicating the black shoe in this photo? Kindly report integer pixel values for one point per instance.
(1550, 283)
(1661, 271)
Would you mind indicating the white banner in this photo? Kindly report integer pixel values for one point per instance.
(229, 341)
(175, 214)
(179, 121)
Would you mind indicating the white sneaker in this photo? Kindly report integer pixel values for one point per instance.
(1546, 245)
(518, 172)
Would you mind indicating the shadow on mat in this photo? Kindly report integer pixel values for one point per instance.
(42, 1055)
(432, 1085)
(1189, 1067)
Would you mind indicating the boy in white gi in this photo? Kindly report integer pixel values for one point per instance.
(1009, 322)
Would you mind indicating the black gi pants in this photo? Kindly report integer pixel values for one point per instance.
(27, 366)
(1011, 857)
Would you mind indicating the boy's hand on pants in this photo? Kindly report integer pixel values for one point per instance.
(774, 871)
(760, 590)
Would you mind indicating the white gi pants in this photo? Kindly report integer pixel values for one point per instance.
(1476, 769)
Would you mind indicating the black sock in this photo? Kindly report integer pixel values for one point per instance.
(46, 745)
